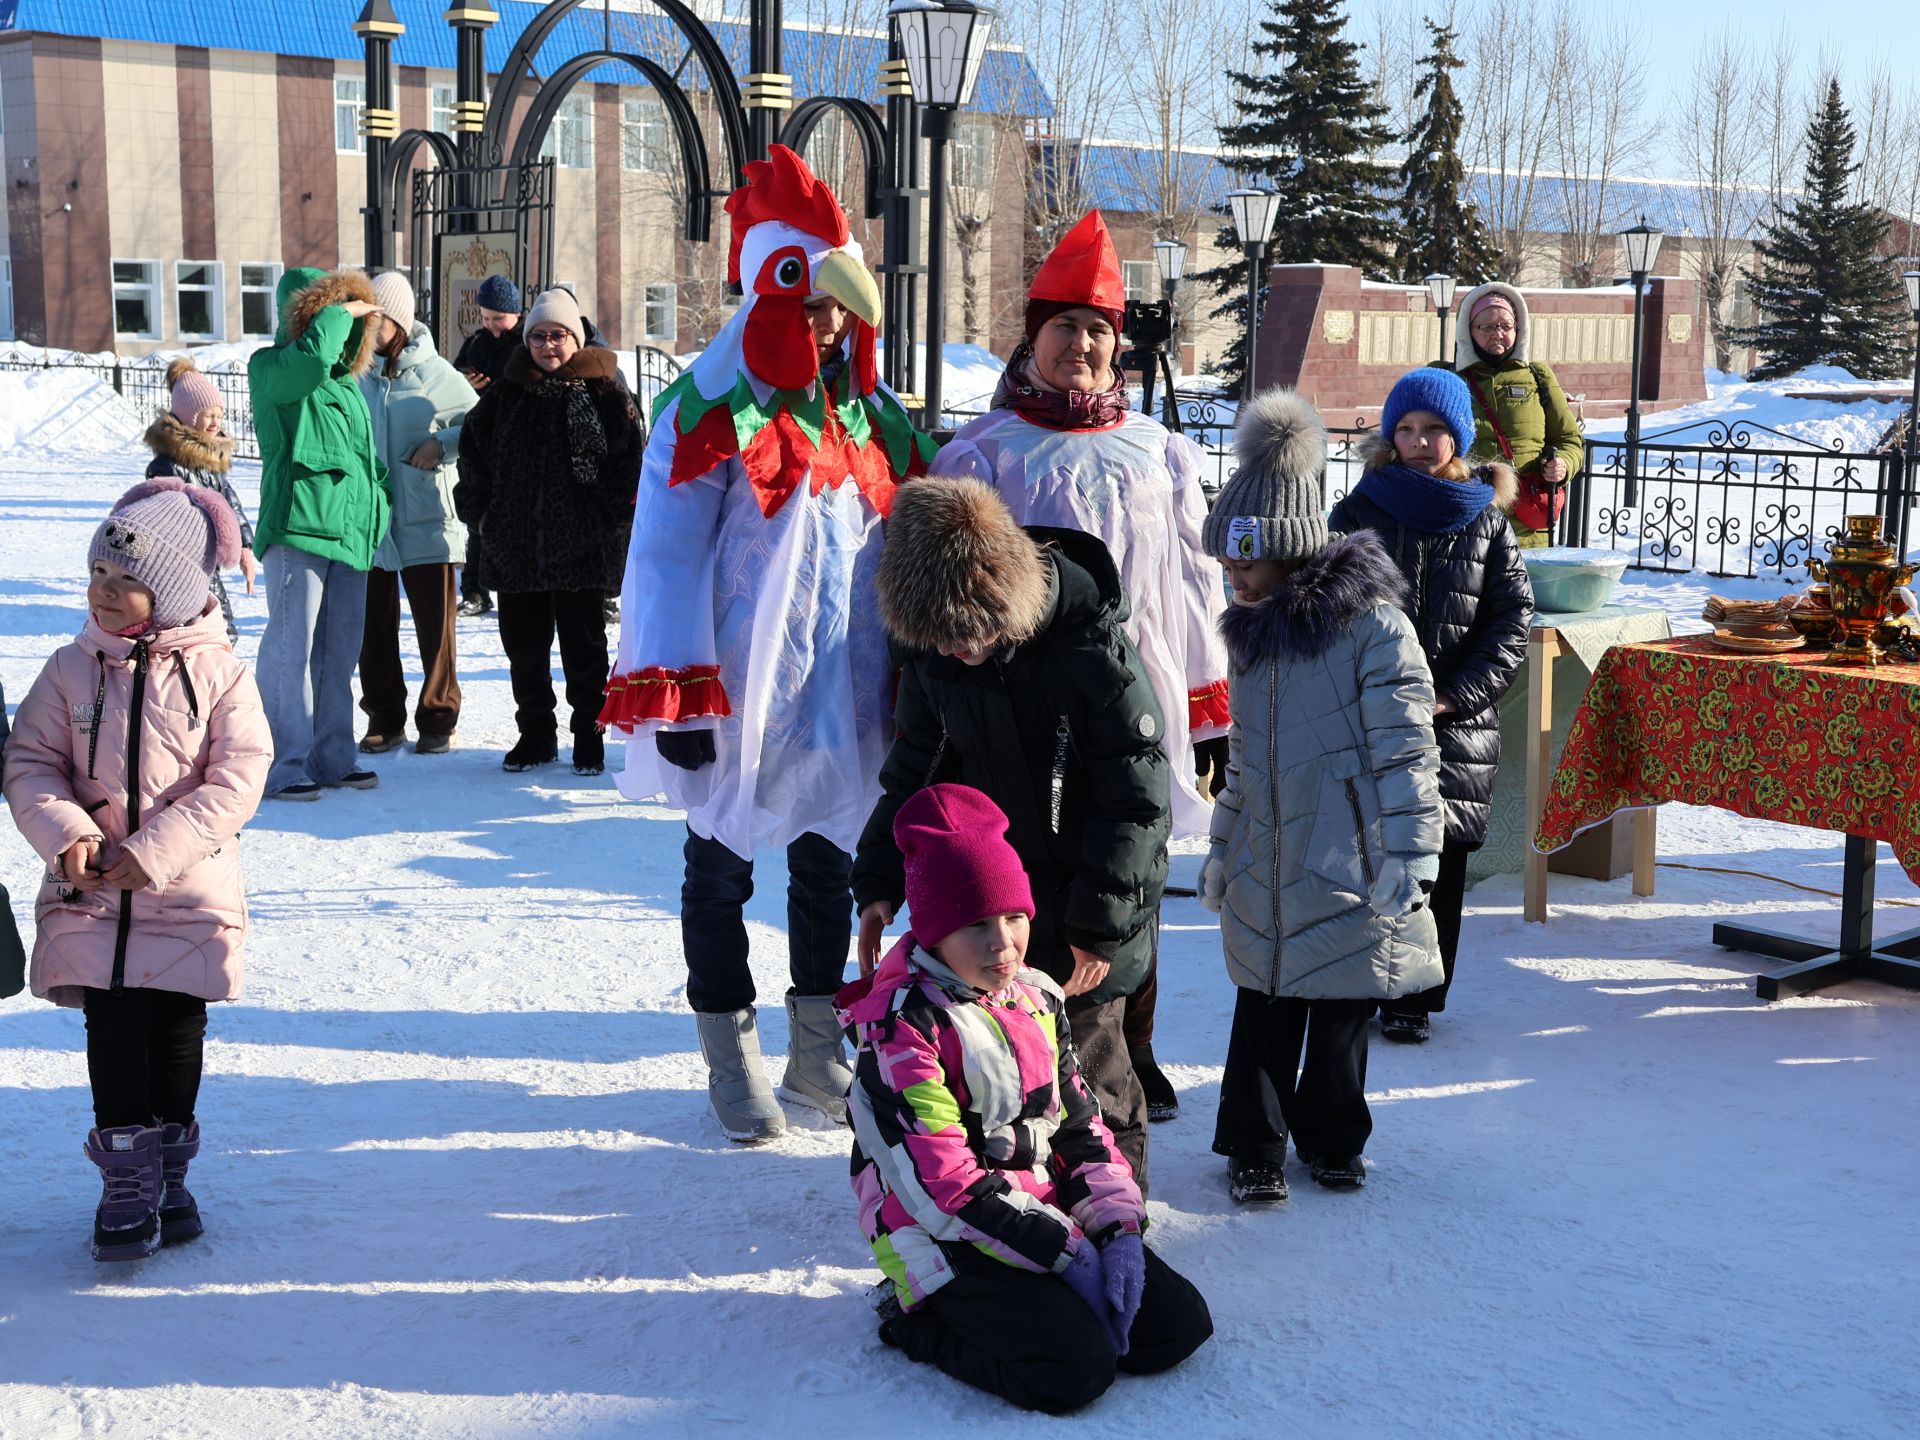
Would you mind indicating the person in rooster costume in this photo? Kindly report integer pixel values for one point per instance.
(753, 672)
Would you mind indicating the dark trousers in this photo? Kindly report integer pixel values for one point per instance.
(1138, 1022)
(1449, 895)
(528, 623)
(1030, 1340)
(1100, 1044)
(143, 1055)
(1268, 1092)
(383, 682)
(713, 928)
(473, 576)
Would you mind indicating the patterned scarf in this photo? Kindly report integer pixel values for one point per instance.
(1425, 502)
(1058, 409)
(586, 437)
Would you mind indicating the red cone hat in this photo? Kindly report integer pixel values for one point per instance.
(1084, 269)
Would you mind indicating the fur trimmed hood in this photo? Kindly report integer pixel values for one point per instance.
(1315, 604)
(188, 448)
(1463, 352)
(589, 362)
(1377, 452)
(331, 288)
(958, 570)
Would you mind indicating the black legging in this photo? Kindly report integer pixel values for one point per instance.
(143, 1055)
(1449, 895)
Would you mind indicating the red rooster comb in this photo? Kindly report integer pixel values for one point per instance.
(781, 187)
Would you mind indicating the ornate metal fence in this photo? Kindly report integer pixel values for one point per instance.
(144, 383)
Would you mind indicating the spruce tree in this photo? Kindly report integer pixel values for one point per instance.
(1825, 294)
(1443, 234)
(1309, 133)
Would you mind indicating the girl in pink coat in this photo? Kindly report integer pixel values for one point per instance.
(135, 759)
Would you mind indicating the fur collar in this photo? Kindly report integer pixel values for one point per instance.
(1314, 605)
(1376, 453)
(333, 289)
(187, 447)
(589, 362)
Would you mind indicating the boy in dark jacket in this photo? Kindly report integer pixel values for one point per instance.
(1017, 679)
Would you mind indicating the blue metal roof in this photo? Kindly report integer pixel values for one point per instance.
(323, 28)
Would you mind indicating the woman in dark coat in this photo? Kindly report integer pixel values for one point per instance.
(549, 462)
(1471, 603)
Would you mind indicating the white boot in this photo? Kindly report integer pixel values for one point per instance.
(817, 1072)
(737, 1086)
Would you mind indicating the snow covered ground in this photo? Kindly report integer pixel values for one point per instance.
(459, 1179)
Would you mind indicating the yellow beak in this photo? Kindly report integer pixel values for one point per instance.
(849, 282)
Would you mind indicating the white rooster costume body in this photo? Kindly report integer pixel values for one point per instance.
(749, 606)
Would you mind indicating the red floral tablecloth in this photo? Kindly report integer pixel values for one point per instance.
(1787, 737)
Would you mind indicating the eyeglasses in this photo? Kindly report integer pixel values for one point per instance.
(548, 337)
(1496, 327)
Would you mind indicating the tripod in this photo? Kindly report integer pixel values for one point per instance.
(1153, 362)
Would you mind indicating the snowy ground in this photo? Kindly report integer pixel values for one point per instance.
(459, 1180)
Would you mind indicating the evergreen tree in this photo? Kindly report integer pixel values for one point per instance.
(1443, 234)
(1825, 294)
(1309, 133)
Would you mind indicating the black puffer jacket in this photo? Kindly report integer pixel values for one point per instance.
(1471, 604)
(548, 469)
(1063, 733)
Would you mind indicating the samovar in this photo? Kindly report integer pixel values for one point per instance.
(1863, 571)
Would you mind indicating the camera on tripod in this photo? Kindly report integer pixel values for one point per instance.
(1148, 324)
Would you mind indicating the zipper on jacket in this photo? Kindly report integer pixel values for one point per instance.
(99, 704)
(1273, 808)
(939, 754)
(1057, 782)
(186, 680)
(134, 713)
(1360, 832)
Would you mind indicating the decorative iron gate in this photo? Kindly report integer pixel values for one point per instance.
(503, 206)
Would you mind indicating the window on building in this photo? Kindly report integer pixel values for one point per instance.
(1142, 279)
(442, 109)
(660, 312)
(569, 139)
(199, 307)
(975, 148)
(644, 136)
(349, 103)
(136, 299)
(257, 283)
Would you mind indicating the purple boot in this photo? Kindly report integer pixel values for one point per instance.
(179, 1216)
(127, 1224)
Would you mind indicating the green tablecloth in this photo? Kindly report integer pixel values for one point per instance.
(1589, 635)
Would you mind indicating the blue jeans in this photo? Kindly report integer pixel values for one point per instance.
(713, 929)
(316, 619)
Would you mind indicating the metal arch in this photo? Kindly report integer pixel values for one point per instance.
(400, 158)
(686, 125)
(806, 118)
(726, 90)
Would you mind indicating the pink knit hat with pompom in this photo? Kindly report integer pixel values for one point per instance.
(171, 537)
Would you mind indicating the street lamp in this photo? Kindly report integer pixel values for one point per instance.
(1903, 501)
(1254, 212)
(1440, 292)
(944, 43)
(1642, 244)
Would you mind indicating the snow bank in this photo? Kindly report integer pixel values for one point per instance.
(64, 410)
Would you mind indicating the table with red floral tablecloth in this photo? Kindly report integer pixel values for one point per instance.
(1792, 737)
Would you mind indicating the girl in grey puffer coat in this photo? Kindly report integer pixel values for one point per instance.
(1328, 832)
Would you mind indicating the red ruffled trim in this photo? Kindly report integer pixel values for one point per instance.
(1207, 707)
(657, 693)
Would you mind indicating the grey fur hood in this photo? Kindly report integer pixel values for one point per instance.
(1315, 604)
(1463, 352)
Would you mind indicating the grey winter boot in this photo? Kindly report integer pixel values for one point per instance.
(126, 1226)
(817, 1073)
(179, 1215)
(736, 1080)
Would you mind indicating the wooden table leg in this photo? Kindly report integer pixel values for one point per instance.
(1644, 823)
(1539, 765)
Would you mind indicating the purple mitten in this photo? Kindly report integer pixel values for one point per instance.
(1124, 1259)
(1086, 1277)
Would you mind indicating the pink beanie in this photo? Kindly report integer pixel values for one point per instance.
(170, 537)
(190, 392)
(1487, 302)
(959, 865)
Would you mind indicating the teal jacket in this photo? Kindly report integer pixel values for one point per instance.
(322, 486)
(414, 398)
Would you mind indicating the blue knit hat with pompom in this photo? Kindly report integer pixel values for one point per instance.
(1442, 392)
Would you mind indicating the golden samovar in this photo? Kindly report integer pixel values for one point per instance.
(1863, 571)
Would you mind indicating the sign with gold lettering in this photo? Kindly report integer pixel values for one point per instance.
(461, 264)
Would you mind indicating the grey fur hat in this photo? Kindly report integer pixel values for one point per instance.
(957, 570)
(1271, 508)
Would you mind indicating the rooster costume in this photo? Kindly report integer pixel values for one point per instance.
(752, 670)
(1086, 462)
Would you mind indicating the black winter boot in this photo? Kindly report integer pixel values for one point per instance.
(126, 1226)
(1255, 1182)
(179, 1215)
(1163, 1101)
(532, 752)
(589, 753)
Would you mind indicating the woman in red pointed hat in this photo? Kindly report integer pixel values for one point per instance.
(1063, 449)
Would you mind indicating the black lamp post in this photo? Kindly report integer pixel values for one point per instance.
(1642, 243)
(1170, 256)
(1903, 502)
(378, 27)
(1440, 292)
(1254, 212)
(943, 43)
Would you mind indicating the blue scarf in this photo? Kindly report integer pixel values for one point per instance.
(1425, 502)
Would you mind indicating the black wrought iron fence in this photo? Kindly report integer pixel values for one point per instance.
(143, 382)
(1738, 500)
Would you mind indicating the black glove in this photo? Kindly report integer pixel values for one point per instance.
(687, 749)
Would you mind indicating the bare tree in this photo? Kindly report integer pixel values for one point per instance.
(1601, 132)
(1513, 75)
(1071, 47)
(1724, 149)
(1784, 109)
